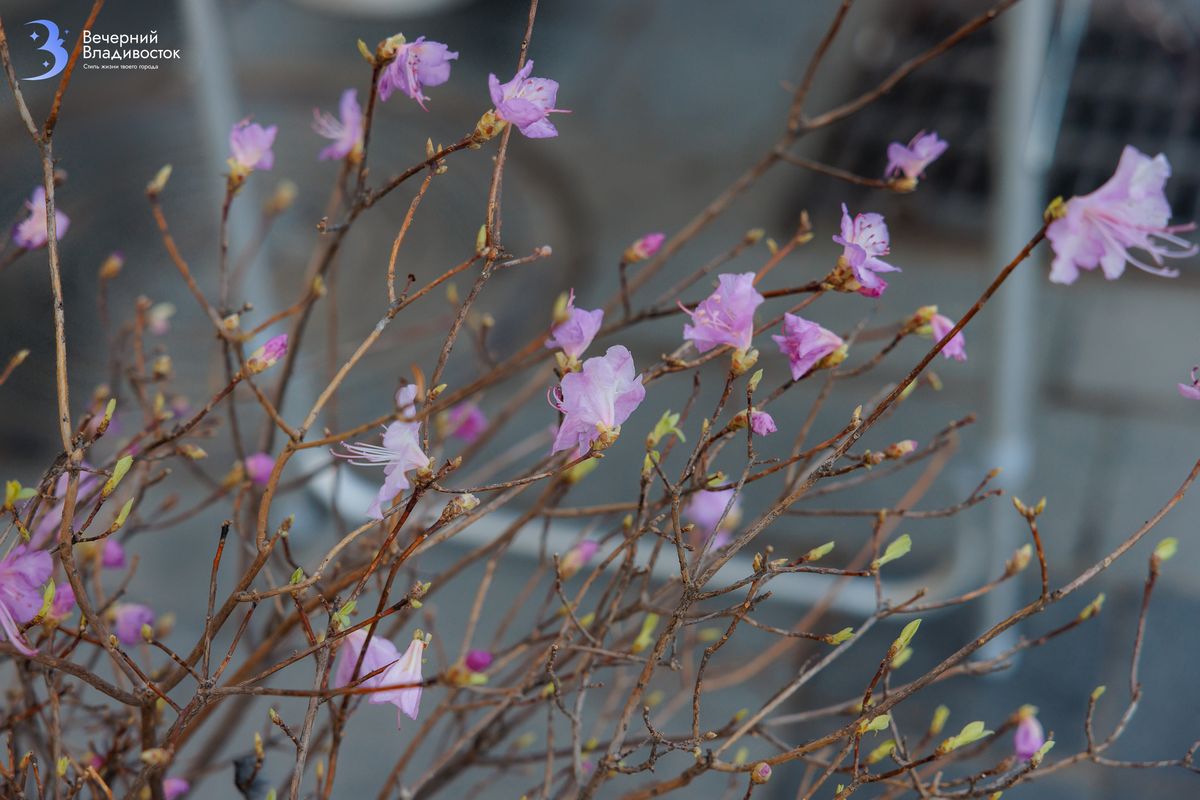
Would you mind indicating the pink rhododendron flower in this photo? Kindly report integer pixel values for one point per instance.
(575, 333)
(578, 557)
(401, 453)
(33, 231)
(1130, 211)
(250, 146)
(762, 423)
(64, 601)
(526, 102)
(911, 161)
(596, 400)
(1029, 737)
(175, 787)
(478, 660)
(269, 354)
(1191, 390)
(864, 239)
(956, 348)
(396, 669)
(258, 468)
(128, 619)
(645, 247)
(466, 422)
(50, 517)
(705, 511)
(417, 65)
(805, 343)
(726, 316)
(22, 572)
(346, 131)
(112, 556)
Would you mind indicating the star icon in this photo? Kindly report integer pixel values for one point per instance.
(33, 36)
(45, 63)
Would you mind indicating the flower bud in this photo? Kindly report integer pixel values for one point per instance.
(268, 354)
(645, 247)
(488, 127)
(742, 361)
(761, 772)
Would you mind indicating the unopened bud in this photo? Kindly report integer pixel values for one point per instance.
(155, 187)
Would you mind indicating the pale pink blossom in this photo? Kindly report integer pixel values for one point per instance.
(725, 317)
(864, 241)
(33, 231)
(1029, 737)
(707, 512)
(400, 453)
(805, 343)
(250, 146)
(22, 573)
(1191, 390)
(393, 669)
(526, 102)
(1129, 212)
(596, 400)
(128, 619)
(346, 130)
(577, 330)
(911, 160)
(956, 348)
(417, 64)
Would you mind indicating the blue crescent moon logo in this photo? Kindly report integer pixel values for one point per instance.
(53, 46)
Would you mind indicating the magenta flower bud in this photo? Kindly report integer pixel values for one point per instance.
(911, 161)
(250, 146)
(762, 423)
(128, 619)
(596, 400)
(417, 65)
(726, 316)
(466, 422)
(175, 787)
(575, 333)
(1029, 737)
(956, 348)
(526, 102)
(805, 343)
(269, 354)
(34, 231)
(22, 571)
(112, 556)
(259, 467)
(346, 132)
(1129, 212)
(864, 239)
(645, 247)
(578, 557)
(401, 453)
(1191, 390)
(761, 772)
(478, 660)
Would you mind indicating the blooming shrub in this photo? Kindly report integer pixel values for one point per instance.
(651, 599)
